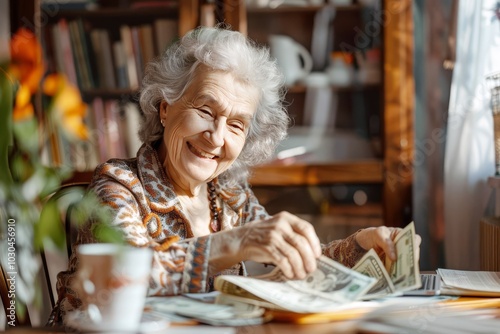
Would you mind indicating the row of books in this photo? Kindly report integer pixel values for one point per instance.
(113, 133)
(95, 58)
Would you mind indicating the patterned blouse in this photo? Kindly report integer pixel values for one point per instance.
(146, 209)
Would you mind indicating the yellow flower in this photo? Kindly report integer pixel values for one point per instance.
(67, 104)
(28, 68)
(23, 109)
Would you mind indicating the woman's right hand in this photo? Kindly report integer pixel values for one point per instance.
(285, 240)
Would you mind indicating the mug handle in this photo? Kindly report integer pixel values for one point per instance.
(306, 57)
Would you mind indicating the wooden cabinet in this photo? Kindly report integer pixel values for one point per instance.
(390, 168)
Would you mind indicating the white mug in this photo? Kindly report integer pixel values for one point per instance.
(112, 281)
(294, 59)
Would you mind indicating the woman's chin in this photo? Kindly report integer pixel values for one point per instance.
(200, 174)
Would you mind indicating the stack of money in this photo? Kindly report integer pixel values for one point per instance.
(183, 310)
(332, 285)
(396, 277)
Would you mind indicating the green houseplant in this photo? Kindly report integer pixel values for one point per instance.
(28, 220)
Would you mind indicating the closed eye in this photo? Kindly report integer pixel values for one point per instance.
(206, 112)
(237, 125)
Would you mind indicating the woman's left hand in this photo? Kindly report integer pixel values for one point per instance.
(381, 239)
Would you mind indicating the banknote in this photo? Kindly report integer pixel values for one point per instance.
(405, 272)
(331, 286)
(218, 314)
(332, 280)
(371, 265)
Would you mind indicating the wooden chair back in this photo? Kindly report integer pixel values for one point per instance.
(7, 294)
(69, 229)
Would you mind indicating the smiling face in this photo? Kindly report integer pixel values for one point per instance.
(205, 129)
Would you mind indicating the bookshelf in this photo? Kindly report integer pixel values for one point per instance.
(390, 101)
(103, 50)
(388, 172)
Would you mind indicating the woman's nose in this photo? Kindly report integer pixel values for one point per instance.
(217, 133)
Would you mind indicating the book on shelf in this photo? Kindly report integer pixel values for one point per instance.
(332, 286)
(131, 117)
(61, 35)
(126, 38)
(101, 46)
(138, 52)
(113, 127)
(106, 58)
(89, 63)
(165, 31)
(80, 49)
(120, 61)
(114, 138)
(50, 6)
(147, 43)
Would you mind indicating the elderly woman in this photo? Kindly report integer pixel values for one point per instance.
(213, 108)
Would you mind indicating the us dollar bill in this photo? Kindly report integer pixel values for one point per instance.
(334, 281)
(371, 265)
(405, 272)
(218, 314)
(331, 286)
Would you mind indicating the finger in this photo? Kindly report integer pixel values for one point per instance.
(280, 260)
(293, 257)
(394, 232)
(286, 241)
(417, 242)
(272, 247)
(305, 229)
(300, 244)
(384, 240)
(286, 257)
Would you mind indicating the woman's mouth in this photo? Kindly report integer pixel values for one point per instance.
(201, 154)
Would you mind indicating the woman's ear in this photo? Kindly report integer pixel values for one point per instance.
(163, 109)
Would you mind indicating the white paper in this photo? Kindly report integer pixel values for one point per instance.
(485, 281)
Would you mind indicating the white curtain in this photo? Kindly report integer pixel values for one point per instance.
(469, 155)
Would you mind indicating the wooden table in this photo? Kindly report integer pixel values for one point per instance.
(274, 328)
(412, 312)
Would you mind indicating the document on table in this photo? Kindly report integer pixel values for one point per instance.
(470, 283)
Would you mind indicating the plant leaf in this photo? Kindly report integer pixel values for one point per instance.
(26, 133)
(6, 105)
(50, 226)
(107, 234)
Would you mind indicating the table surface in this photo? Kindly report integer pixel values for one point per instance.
(470, 311)
(271, 328)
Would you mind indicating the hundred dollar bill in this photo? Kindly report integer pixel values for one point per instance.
(227, 314)
(332, 280)
(371, 265)
(328, 288)
(242, 307)
(405, 272)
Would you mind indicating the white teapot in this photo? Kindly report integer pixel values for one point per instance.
(294, 59)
